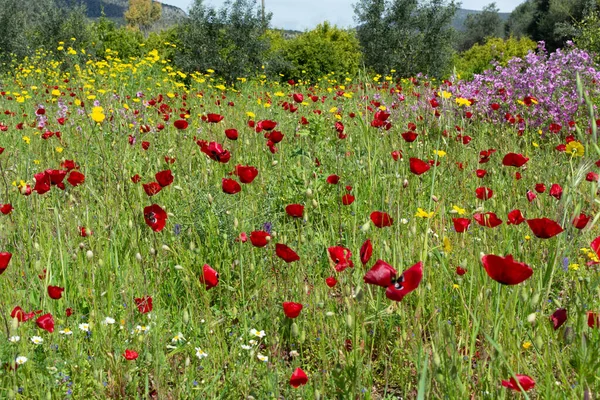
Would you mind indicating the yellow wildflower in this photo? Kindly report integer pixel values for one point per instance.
(575, 149)
(423, 214)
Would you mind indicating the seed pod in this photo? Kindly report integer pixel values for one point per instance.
(89, 254)
(349, 321)
(186, 317)
(295, 330)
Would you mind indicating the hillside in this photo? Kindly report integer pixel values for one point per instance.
(461, 16)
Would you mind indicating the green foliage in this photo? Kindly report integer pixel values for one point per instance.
(480, 57)
(478, 27)
(588, 34)
(122, 40)
(229, 41)
(406, 35)
(142, 14)
(316, 53)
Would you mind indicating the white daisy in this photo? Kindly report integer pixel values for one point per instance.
(21, 360)
(37, 340)
(108, 321)
(259, 334)
(262, 358)
(14, 339)
(84, 327)
(200, 353)
(246, 347)
(178, 338)
(66, 331)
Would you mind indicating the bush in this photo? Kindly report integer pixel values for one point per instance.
(495, 51)
(319, 52)
(588, 34)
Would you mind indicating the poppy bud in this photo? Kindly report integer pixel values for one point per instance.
(165, 247)
(535, 299)
(178, 267)
(274, 163)
(187, 361)
(434, 198)
(295, 330)
(14, 324)
(302, 337)
(81, 245)
(531, 318)
(235, 223)
(436, 359)
(100, 262)
(138, 257)
(89, 254)
(186, 317)
(358, 293)
(192, 246)
(539, 343)
(365, 227)
(130, 224)
(210, 199)
(309, 193)
(315, 204)
(349, 321)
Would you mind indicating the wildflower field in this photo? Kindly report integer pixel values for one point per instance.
(170, 236)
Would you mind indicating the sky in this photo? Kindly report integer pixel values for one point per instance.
(306, 14)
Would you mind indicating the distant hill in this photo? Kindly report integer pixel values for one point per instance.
(461, 16)
(114, 10)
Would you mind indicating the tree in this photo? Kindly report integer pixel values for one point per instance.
(481, 26)
(230, 40)
(142, 14)
(409, 36)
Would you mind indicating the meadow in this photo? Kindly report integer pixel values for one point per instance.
(171, 236)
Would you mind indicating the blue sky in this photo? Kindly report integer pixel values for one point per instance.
(306, 14)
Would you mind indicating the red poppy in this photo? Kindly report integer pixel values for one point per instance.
(292, 310)
(488, 219)
(156, 217)
(331, 281)
(514, 160)
(285, 253)
(232, 134)
(484, 155)
(164, 178)
(418, 166)
(581, 221)
(76, 178)
(298, 378)
(406, 283)
(347, 199)
(246, 173)
(6, 209)
(215, 151)
(143, 304)
(231, 186)
(295, 210)
(592, 177)
(595, 245)
(181, 124)
(409, 136)
(484, 193)
(381, 274)
(526, 382)
(136, 178)
(266, 125)
(593, 319)
(480, 173)
(145, 145)
(130, 355)
(69, 165)
(506, 270)
(461, 224)
(4, 260)
(397, 155)
(42, 182)
(298, 97)
(460, 271)
(341, 257)
(333, 179)
(531, 196)
(20, 315)
(214, 118)
(55, 292)
(544, 228)
(259, 238)
(151, 188)
(540, 187)
(45, 322)
(366, 250)
(275, 137)
(381, 219)
(209, 277)
(515, 217)
(558, 318)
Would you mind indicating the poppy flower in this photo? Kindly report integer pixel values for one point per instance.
(461, 224)
(298, 97)
(484, 193)
(275, 137)
(298, 378)
(396, 155)
(405, 283)
(6, 209)
(291, 309)
(514, 160)
(556, 191)
(130, 355)
(45, 322)
(232, 134)
(366, 251)
(581, 221)
(460, 271)
(136, 178)
(593, 319)
(531, 196)
(333, 179)
(145, 145)
(209, 277)
(214, 118)
(84, 232)
(558, 318)
(55, 292)
(515, 217)
(506, 270)
(418, 166)
(21, 315)
(144, 304)
(285, 253)
(4, 260)
(347, 199)
(295, 210)
(540, 187)
(231, 186)
(76, 178)
(266, 125)
(488, 219)
(381, 219)
(42, 183)
(215, 151)
(259, 238)
(409, 136)
(481, 173)
(331, 281)
(381, 274)
(595, 245)
(151, 188)
(155, 217)
(526, 382)
(164, 178)
(341, 257)
(544, 228)
(181, 124)
(246, 173)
